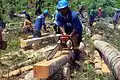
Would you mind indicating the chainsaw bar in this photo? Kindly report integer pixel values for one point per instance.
(59, 46)
(51, 55)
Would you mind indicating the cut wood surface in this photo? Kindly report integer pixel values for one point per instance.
(54, 62)
(105, 68)
(100, 66)
(28, 42)
(97, 62)
(45, 68)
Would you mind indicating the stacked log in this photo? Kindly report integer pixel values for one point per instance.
(44, 69)
(97, 62)
(45, 40)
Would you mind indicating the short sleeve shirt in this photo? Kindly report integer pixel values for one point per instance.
(39, 22)
(70, 22)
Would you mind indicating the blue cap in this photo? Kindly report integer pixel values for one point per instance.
(62, 4)
(24, 11)
(118, 11)
(46, 12)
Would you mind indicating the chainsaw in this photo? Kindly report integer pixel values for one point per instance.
(64, 42)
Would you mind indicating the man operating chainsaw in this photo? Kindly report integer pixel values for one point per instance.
(69, 22)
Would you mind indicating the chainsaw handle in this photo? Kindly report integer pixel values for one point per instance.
(66, 38)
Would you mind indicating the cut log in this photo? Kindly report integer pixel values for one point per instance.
(29, 76)
(43, 34)
(28, 62)
(45, 68)
(32, 56)
(97, 37)
(105, 69)
(47, 39)
(37, 57)
(110, 55)
(18, 71)
(97, 62)
(60, 58)
(97, 58)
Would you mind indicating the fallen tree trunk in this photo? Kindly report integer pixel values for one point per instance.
(28, 62)
(18, 71)
(26, 68)
(110, 55)
(45, 68)
(37, 41)
(34, 58)
(23, 69)
(97, 62)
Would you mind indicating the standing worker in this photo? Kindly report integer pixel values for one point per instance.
(116, 19)
(3, 44)
(99, 12)
(27, 25)
(69, 23)
(40, 21)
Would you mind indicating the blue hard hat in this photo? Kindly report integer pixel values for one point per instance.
(118, 11)
(62, 4)
(24, 11)
(46, 12)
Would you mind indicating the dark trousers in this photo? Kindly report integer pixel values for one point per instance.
(36, 34)
(79, 39)
(115, 24)
(56, 28)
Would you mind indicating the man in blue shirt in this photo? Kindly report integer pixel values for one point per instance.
(69, 22)
(40, 21)
(116, 18)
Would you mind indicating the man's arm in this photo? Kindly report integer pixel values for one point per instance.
(62, 30)
(73, 33)
(60, 23)
(77, 26)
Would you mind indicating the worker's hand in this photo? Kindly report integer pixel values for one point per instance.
(70, 35)
(64, 34)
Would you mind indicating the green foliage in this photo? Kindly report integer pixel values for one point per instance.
(50, 5)
(7, 6)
